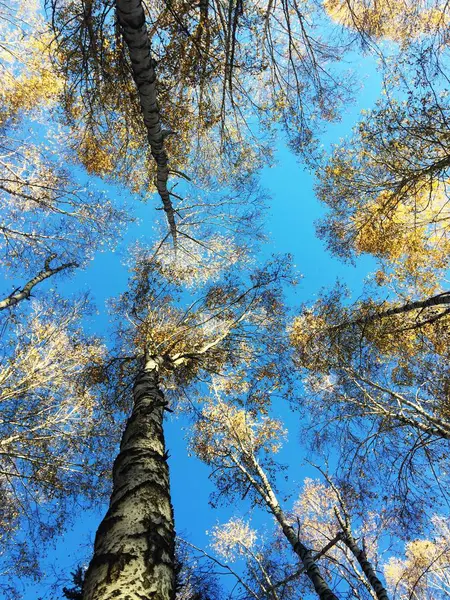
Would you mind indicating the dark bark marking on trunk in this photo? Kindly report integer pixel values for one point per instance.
(135, 543)
(131, 18)
(366, 566)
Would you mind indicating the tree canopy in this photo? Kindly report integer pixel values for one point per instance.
(143, 138)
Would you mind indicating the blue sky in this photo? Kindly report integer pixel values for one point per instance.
(290, 225)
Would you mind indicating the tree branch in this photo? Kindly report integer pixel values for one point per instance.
(25, 292)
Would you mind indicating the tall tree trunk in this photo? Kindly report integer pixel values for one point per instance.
(442, 299)
(358, 553)
(131, 18)
(296, 574)
(366, 566)
(438, 300)
(134, 546)
(321, 587)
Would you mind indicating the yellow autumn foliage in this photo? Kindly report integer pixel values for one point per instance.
(29, 80)
(44, 366)
(224, 429)
(307, 337)
(233, 539)
(412, 234)
(424, 573)
(398, 20)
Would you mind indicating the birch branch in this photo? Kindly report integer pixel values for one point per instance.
(25, 292)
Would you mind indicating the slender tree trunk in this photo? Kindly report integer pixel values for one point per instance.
(131, 18)
(360, 555)
(312, 570)
(134, 546)
(315, 557)
(438, 300)
(366, 566)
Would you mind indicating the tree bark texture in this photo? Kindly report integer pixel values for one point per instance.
(131, 18)
(302, 570)
(312, 570)
(134, 546)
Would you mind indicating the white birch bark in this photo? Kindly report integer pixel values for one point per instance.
(131, 18)
(134, 546)
(312, 570)
(266, 492)
(365, 564)
(442, 299)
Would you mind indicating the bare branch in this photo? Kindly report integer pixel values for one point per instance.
(25, 292)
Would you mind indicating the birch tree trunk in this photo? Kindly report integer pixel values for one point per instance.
(359, 553)
(306, 556)
(131, 18)
(442, 299)
(134, 546)
(321, 587)
(366, 566)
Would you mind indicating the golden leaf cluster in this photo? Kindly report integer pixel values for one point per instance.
(400, 21)
(424, 572)
(233, 539)
(224, 429)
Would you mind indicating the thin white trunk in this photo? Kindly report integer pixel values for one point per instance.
(265, 490)
(364, 563)
(312, 570)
